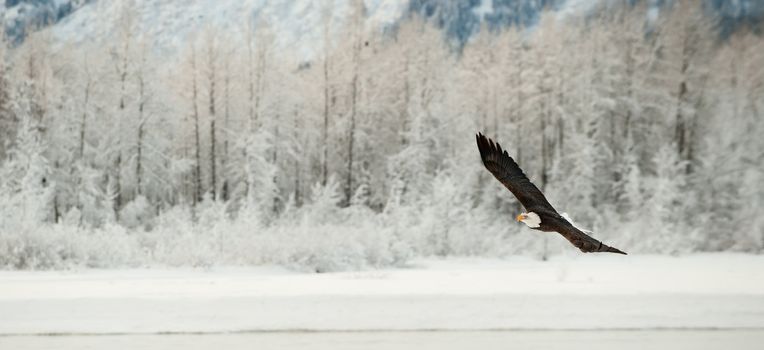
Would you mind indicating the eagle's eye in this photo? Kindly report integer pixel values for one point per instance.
(521, 217)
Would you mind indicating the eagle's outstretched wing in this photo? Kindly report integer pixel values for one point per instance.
(584, 242)
(504, 168)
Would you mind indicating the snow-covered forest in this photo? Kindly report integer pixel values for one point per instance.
(231, 148)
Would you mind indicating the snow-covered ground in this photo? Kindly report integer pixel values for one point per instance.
(481, 340)
(710, 301)
(714, 291)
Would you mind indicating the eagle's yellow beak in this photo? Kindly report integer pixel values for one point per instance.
(520, 217)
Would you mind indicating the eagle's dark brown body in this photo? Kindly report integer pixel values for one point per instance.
(504, 168)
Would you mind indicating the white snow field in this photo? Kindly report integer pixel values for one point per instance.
(479, 340)
(698, 301)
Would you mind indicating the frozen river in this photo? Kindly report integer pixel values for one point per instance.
(709, 301)
(569, 340)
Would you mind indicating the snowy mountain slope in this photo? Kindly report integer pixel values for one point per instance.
(21, 16)
(298, 23)
(169, 23)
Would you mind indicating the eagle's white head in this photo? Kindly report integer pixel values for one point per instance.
(531, 219)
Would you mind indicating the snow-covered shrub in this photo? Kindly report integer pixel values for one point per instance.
(137, 213)
(176, 240)
(324, 203)
(666, 202)
(61, 246)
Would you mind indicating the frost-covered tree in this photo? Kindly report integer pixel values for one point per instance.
(26, 189)
(358, 149)
(8, 121)
(192, 129)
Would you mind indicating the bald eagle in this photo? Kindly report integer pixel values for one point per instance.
(541, 215)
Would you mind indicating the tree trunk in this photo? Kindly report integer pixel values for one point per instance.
(251, 80)
(629, 86)
(544, 155)
(213, 161)
(118, 163)
(83, 122)
(213, 142)
(520, 100)
(226, 127)
(325, 141)
(297, 174)
(197, 195)
(139, 162)
(680, 124)
(354, 101)
(141, 132)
